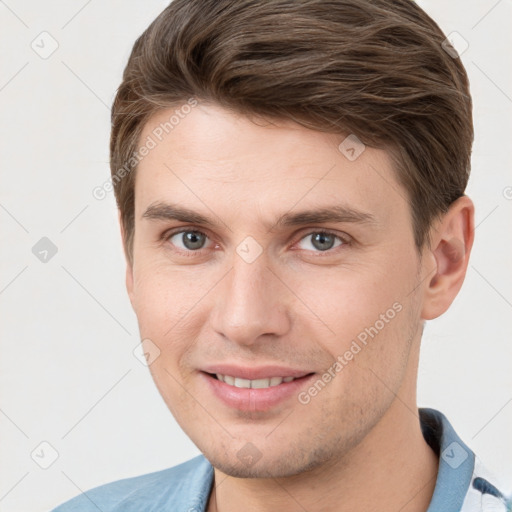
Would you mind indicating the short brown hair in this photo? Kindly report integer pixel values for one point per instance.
(374, 68)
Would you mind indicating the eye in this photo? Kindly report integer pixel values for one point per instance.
(187, 240)
(192, 240)
(321, 241)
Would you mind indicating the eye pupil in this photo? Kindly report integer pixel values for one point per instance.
(323, 241)
(193, 240)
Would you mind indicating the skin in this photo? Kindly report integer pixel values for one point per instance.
(358, 442)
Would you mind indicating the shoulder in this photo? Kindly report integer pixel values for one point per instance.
(186, 484)
(463, 483)
(485, 492)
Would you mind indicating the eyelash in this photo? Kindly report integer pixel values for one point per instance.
(345, 240)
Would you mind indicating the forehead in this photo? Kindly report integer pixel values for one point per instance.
(250, 167)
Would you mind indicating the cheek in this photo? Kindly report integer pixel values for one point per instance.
(348, 300)
(367, 317)
(169, 313)
(161, 296)
(151, 304)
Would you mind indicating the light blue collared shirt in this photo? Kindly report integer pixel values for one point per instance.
(462, 483)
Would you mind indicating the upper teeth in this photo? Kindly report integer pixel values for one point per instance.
(256, 383)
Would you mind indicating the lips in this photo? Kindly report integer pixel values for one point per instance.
(254, 389)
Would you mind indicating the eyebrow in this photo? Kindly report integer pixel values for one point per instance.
(336, 213)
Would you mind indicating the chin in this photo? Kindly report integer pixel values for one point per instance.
(248, 462)
(268, 469)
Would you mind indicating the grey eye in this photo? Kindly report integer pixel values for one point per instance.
(189, 240)
(322, 241)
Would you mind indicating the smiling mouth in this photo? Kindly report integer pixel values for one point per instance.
(269, 382)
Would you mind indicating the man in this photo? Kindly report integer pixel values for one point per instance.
(290, 179)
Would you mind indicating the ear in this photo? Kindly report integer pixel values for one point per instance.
(448, 257)
(129, 265)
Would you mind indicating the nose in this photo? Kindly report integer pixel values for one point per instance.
(250, 303)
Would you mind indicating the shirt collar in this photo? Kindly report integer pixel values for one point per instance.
(456, 462)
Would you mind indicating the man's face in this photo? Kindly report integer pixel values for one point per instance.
(262, 292)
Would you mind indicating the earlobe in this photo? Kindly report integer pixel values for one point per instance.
(450, 250)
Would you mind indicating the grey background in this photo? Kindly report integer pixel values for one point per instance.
(68, 373)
